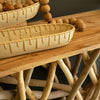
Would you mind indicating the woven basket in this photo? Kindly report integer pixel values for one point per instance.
(18, 15)
(34, 38)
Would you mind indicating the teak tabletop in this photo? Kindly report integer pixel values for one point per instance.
(82, 41)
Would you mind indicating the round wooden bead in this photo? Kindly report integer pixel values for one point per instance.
(1, 8)
(44, 1)
(48, 17)
(66, 21)
(80, 25)
(59, 21)
(78, 21)
(25, 5)
(18, 6)
(52, 21)
(45, 8)
(72, 20)
(2, 1)
(30, 2)
(8, 6)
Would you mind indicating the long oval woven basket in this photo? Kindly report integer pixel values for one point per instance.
(18, 15)
(34, 38)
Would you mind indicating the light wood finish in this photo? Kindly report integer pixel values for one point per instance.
(39, 83)
(69, 77)
(97, 91)
(27, 89)
(67, 62)
(91, 73)
(77, 64)
(46, 66)
(94, 66)
(89, 93)
(21, 86)
(56, 80)
(84, 74)
(28, 77)
(30, 94)
(27, 80)
(82, 41)
(50, 80)
(8, 94)
(95, 69)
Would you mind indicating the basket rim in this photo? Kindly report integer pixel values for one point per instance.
(19, 9)
(38, 37)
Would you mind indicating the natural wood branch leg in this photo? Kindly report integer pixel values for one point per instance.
(91, 73)
(95, 69)
(69, 77)
(50, 80)
(30, 94)
(96, 92)
(95, 66)
(77, 64)
(28, 77)
(56, 79)
(89, 93)
(27, 80)
(45, 66)
(27, 89)
(67, 62)
(6, 95)
(84, 74)
(38, 83)
(21, 86)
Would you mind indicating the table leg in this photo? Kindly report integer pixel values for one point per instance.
(21, 86)
(69, 77)
(50, 80)
(84, 74)
(67, 62)
(94, 66)
(91, 73)
(77, 64)
(27, 80)
(55, 79)
(90, 93)
(97, 91)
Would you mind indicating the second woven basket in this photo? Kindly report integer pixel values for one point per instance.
(18, 15)
(17, 41)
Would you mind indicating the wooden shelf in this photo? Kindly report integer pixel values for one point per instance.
(82, 41)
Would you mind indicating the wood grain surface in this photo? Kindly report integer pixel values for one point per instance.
(82, 41)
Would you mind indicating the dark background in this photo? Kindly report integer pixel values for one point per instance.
(65, 7)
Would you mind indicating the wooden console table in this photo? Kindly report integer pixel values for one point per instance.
(82, 42)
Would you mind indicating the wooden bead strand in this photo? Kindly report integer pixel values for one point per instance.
(59, 20)
(44, 1)
(80, 25)
(45, 8)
